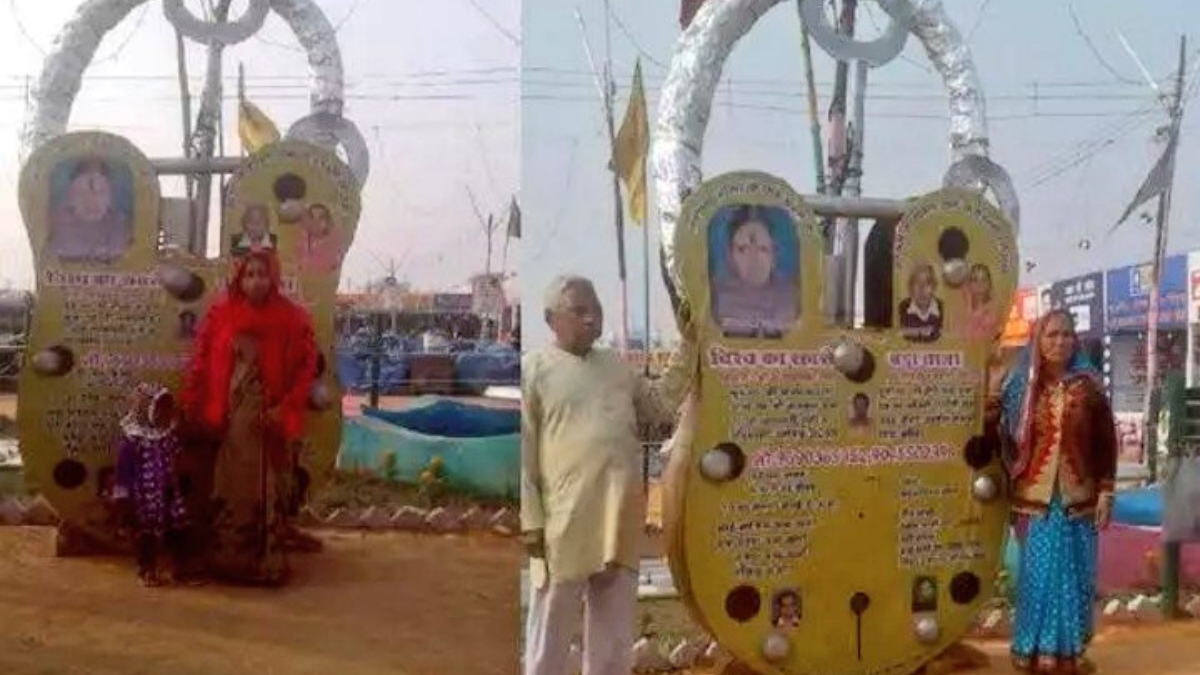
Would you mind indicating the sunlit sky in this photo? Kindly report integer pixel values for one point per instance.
(1071, 118)
(432, 86)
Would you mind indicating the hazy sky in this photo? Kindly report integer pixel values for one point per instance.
(431, 85)
(1072, 123)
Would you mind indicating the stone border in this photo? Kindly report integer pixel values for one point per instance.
(439, 520)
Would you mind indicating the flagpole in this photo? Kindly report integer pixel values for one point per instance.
(610, 92)
(646, 282)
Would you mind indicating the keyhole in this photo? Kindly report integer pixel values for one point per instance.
(859, 602)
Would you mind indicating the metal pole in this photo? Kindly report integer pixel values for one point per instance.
(814, 119)
(185, 102)
(610, 92)
(1149, 405)
(376, 358)
(646, 291)
(838, 163)
(853, 188)
(205, 139)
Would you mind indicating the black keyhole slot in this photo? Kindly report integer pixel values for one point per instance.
(859, 603)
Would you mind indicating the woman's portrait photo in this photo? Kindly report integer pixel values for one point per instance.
(255, 232)
(980, 319)
(921, 313)
(754, 264)
(321, 244)
(786, 611)
(91, 210)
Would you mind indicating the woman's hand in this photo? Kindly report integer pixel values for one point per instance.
(991, 409)
(1104, 507)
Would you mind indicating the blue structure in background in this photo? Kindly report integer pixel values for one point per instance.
(1128, 296)
(479, 447)
(476, 366)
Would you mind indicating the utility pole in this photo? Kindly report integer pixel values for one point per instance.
(489, 228)
(1150, 404)
(845, 231)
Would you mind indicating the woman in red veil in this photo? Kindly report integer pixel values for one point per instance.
(247, 384)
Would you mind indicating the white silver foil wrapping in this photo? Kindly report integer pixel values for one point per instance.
(319, 40)
(76, 44)
(951, 57)
(62, 73)
(684, 107)
(700, 54)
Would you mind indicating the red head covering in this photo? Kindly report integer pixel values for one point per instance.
(287, 356)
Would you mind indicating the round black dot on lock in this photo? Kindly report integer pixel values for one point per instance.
(865, 371)
(953, 244)
(964, 588)
(978, 453)
(743, 603)
(70, 474)
(737, 458)
(289, 186)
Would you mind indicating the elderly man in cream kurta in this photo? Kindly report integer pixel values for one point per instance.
(582, 511)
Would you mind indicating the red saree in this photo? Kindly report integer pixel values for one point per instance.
(250, 359)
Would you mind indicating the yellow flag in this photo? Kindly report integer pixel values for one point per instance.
(255, 129)
(633, 145)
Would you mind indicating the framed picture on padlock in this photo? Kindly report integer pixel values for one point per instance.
(754, 270)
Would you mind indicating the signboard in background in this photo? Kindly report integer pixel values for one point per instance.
(1045, 299)
(1127, 296)
(1194, 287)
(452, 303)
(1083, 297)
(1021, 316)
(487, 295)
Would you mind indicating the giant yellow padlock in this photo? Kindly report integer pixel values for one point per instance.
(838, 510)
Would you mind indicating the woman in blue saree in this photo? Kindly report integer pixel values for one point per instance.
(1061, 458)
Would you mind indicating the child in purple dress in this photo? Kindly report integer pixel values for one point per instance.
(147, 486)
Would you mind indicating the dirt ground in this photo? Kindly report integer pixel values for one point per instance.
(390, 604)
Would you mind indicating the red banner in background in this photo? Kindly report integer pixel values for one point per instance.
(1021, 317)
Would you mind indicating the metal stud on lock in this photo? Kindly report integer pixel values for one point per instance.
(717, 465)
(848, 357)
(984, 488)
(927, 630)
(776, 647)
(955, 272)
